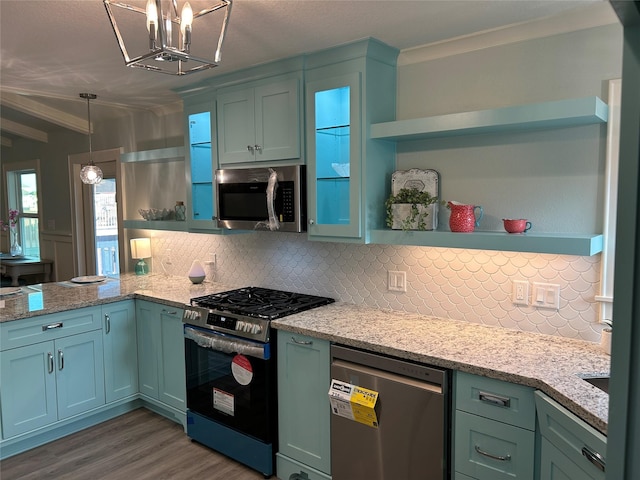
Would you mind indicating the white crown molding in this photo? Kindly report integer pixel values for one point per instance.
(595, 15)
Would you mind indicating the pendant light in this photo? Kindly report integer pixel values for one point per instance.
(90, 173)
(170, 31)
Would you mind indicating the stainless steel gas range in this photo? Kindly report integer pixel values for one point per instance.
(230, 352)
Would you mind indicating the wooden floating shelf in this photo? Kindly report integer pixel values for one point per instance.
(556, 114)
(560, 244)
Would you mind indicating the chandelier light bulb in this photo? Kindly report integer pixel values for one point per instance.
(152, 16)
(186, 17)
(186, 20)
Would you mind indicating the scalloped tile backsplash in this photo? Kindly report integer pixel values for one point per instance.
(470, 285)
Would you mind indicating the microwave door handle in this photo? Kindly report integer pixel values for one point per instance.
(272, 186)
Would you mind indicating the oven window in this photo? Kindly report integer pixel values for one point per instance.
(235, 390)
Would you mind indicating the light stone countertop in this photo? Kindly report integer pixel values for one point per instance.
(548, 363)
(545, 362)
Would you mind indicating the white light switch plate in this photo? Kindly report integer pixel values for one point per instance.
(546, 295)
(396, 281)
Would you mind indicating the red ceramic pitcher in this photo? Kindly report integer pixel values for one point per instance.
(463, 217)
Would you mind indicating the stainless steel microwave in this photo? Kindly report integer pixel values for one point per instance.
(272, 199)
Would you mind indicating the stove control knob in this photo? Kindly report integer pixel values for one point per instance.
(239, 326)
(248, 327)
(256, 329)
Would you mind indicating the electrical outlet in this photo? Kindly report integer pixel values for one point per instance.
(396, 281)
(546, 295)
(520, 292)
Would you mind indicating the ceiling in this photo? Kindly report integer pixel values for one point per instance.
(51, 50)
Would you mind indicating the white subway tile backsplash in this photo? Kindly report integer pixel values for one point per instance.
(469, 285)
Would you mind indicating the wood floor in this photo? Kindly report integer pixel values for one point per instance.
(137, 446)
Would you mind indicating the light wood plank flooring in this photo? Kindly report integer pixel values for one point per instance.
(137, 446)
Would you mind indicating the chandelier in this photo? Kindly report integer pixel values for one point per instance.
(162, 38)
(90, 173)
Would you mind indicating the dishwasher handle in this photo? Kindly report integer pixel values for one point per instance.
(393, 377)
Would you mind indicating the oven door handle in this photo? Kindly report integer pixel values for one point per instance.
(224, 344)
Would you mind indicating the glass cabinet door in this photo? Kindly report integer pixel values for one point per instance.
(201, 166)
(334, 156)
(201, 163)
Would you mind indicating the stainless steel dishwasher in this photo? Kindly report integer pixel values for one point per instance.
(413, 420)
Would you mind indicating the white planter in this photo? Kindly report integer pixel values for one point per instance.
(402, 211)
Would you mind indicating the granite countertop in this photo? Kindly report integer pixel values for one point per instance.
(548, 363)
(55, 297)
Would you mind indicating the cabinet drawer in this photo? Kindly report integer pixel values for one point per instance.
(490, 450)
(49, 327)
(571, 435)
(289, 469)
(495, 399)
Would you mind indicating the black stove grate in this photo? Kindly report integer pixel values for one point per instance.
(260, 302)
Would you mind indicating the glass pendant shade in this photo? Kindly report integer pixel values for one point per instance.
(91, 174)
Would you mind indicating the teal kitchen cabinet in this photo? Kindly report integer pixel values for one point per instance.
(260, 121)
(161, 364)
(120, 350)
(570, 449)
(348, 174)
(52, 369)
(201, 162)
(303, 407)
(493, 429)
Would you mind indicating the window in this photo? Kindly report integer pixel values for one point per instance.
(22, 195)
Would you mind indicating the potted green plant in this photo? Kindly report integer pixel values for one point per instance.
(409, 209)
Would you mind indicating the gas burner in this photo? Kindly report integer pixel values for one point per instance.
(260, 302)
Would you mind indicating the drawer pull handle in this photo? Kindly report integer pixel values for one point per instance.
(51, 326)
(168, 312)
(301, 342)
(494, 399)
(594, 457)
(506, 458)
(50, 358)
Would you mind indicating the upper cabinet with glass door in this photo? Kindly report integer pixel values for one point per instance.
(201, 162)
(347, 89)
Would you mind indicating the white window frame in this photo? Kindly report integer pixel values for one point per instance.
(12, 200)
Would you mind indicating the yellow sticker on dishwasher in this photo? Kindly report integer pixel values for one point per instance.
(353, 402)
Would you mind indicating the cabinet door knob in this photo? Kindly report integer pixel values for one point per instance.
(258, 148)
(312, 221)
(250, 148)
